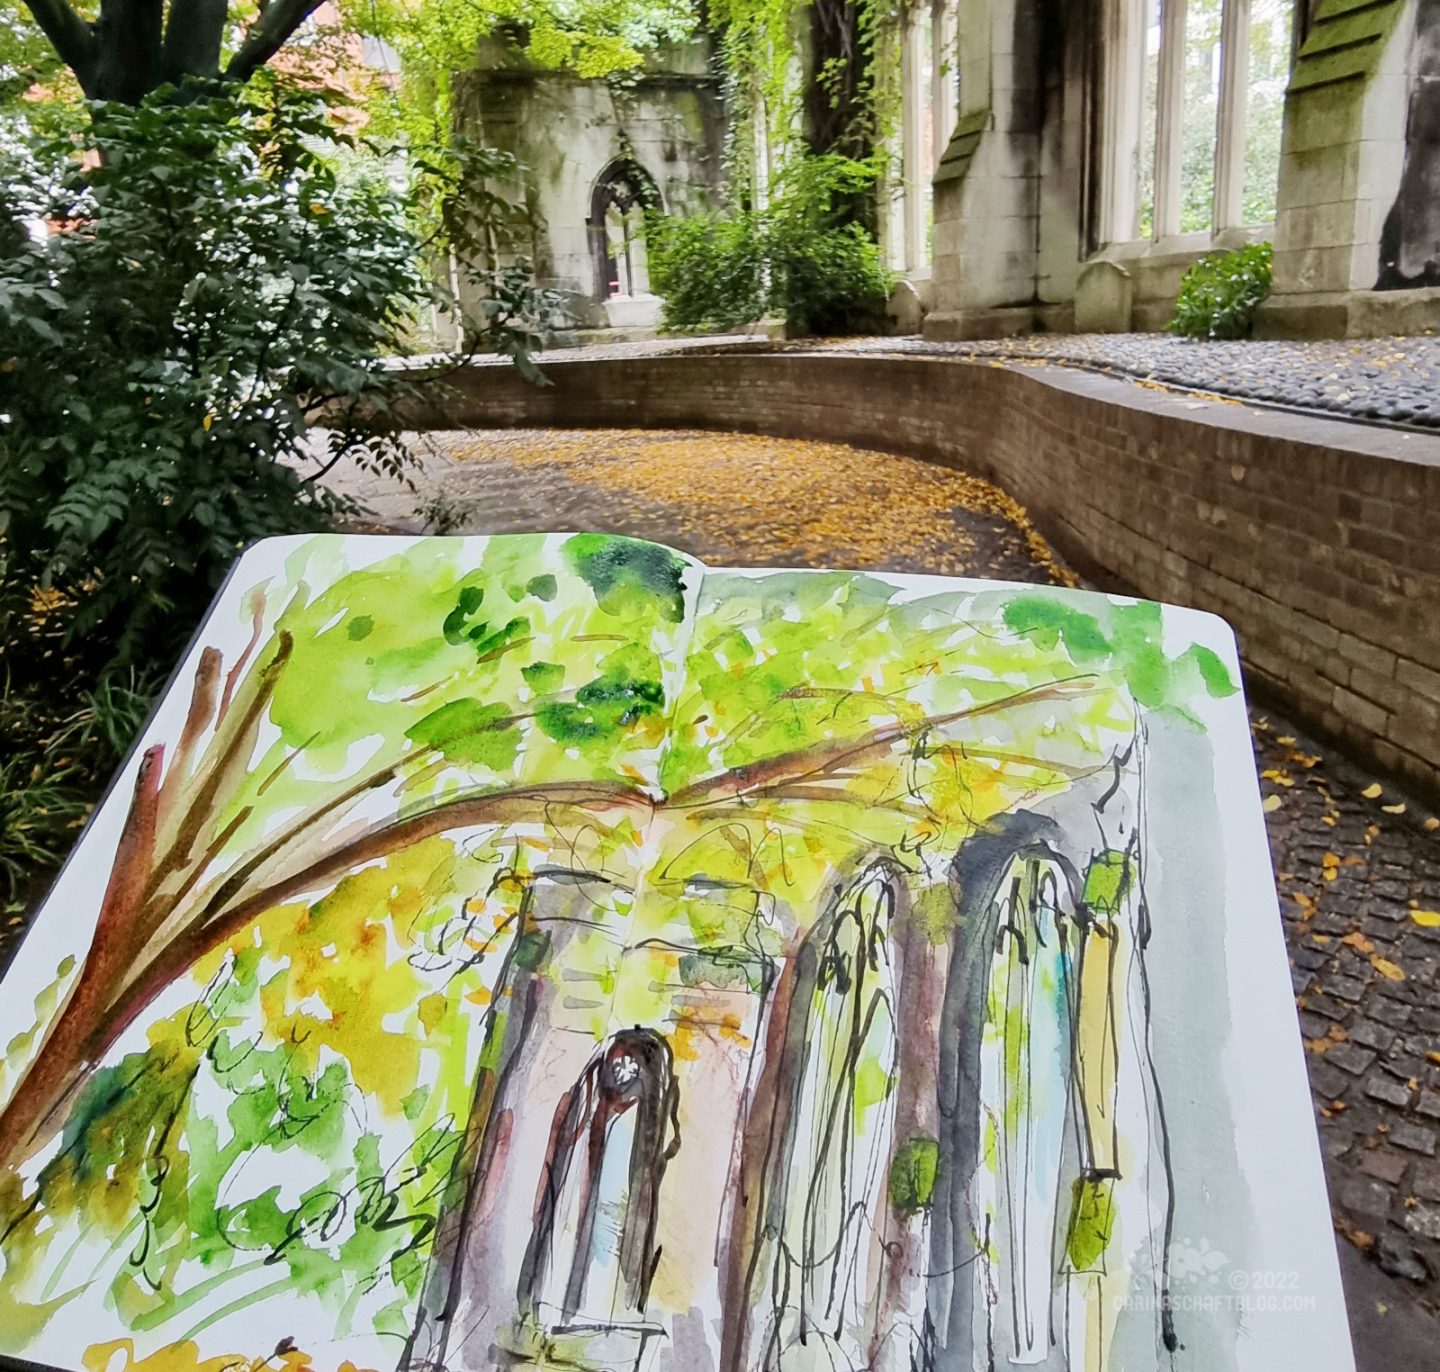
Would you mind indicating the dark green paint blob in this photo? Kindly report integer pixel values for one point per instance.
(630, 577)
(627, 691)
(466, 603)
(542, 587)
(360, 627)
(543, 677)
(912, 1175)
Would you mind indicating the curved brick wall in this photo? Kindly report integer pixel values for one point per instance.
(1317, 540)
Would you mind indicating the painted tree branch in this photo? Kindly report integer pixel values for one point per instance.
(119, 979)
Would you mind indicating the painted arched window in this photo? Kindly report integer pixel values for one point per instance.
(617, 230)
(592, 1252)
(828, 1177)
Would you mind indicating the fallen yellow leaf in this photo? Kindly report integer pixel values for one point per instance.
(1387, 969)
(1271, 804)
(1358, 940)
(1394, 809)
(1426, 919)
(1373, 790)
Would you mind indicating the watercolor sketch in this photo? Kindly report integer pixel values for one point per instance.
(547, 952)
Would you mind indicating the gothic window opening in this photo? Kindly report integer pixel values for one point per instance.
(616, 225)
(1194, 106)
(592, 1253)
(831, 1170)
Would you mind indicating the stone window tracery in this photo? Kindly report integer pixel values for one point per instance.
(1193, 103)
(617, 230)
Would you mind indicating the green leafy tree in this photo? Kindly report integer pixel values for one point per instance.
(203, 339)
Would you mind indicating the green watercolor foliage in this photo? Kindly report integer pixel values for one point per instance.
(1126, 638)
(1092, 1222)
(1107, 882)
(334, 1040)
(912, 1176)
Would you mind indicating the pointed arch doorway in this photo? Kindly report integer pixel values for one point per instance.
(813, 1273)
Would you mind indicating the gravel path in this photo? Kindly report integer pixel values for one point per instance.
(1392, 381)
(1376, 380)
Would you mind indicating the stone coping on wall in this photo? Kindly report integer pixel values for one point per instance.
(1314, 538)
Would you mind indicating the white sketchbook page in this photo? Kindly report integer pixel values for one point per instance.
(1288, 1294)
(63, 928)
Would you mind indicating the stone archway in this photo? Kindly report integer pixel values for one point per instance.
(622, 195)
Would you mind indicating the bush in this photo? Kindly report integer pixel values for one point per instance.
(709, 269)
(212, 289)
(1221, 292)
(803, 257)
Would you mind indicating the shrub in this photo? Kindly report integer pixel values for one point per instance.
(804, 256)
(212, 289)
(709, 269)
(1220, 293)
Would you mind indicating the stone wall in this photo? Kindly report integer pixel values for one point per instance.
(1314, 538)
(669, 120)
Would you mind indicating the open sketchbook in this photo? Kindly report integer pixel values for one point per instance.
(544, 951)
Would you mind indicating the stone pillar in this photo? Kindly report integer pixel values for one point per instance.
(914, 114)
(1340, 172)
(1008, 188)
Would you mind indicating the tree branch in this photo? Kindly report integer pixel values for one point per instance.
(192, 38)
(71, 35)
(268, 36)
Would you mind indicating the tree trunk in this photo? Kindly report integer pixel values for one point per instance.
(132, 50)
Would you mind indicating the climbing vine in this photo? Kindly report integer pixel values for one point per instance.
(433, 41)
(808, 76)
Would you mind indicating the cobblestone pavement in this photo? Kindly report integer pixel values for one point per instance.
(1359, 883)
(1374, 380)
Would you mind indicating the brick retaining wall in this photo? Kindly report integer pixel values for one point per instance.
(1315, 539)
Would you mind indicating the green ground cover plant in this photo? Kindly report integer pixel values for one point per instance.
(1220, 293)
(801, 257)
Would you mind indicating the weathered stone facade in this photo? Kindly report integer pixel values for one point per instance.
(597, 154)
(1143, 133)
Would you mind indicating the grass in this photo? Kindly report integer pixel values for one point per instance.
(66, 724)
